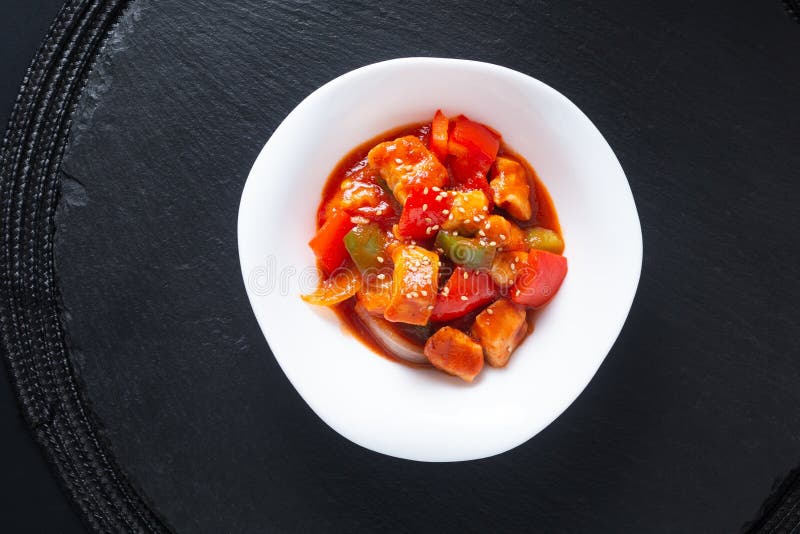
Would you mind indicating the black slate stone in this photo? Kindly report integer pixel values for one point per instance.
(686, 425)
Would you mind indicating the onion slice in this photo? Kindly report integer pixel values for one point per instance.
(387, 336)
(342, 285)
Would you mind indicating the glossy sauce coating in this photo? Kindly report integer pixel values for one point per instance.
(354, 163)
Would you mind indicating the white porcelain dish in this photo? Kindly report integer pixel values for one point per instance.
(426, 415)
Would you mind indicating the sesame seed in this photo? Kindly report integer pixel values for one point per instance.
(481, 233)
(446, 291)
(434, 188)
(424, 207)
(513, 267)
(398, 160)
(489, 311)
(408, 296)
(381, 276)
(428, 220)
(415, 294)
(435, 227)
(428, 230)
(492, 243)
(488, 225)
(476, 219)
(502, 237)
(430, 307)
(461, 210)
(466, 275)
(486, 208)
(450, 218)
(516, 259)
(445, 211)
(424, 293)
(464, 297)
(380, 259)
(455, 234)
(518, 292)
(425, 191)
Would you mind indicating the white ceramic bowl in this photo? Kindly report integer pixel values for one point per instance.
(419, 414)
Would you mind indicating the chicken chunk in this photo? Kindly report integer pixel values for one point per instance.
(455, 353)
(469, 210)
(375, 294)
(504, 267)
(505, 234)
(414, 285)
(510, 188)
(500, 328)
(407, 165)
(359, 194)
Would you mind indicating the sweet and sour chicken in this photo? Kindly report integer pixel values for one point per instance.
(435, 243)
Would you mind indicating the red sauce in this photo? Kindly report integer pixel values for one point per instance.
(355, 162)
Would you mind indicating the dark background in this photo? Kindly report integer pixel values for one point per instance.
(687, 423)
(30, 499)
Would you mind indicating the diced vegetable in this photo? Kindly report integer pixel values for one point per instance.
(439, 130)
(387, 335)
(500, 328)
(375, 294)
(544, 239)
(414, 285)
(327, 243)
(475, 148)
(467, 177)
(425, 211)
(539, 279)
(474, 141)
(504, 233)
(465, 251)
(339, 287)
(407, 165)
(465, 291)
(467, 213)
(365, 243)
(505, 266)
(510, 188)
(455, 353)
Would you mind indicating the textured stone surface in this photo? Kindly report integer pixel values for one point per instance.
(687, 423)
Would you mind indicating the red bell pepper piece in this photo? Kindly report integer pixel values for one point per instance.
(475, 148)
(467, 176)
(539, 279)
(439, 128)
(464, 291)
(328, 243)
(475, 142)
(424, 213)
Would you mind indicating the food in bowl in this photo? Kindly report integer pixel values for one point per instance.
(437, 244)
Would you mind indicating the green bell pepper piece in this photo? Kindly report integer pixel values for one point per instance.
(365, 244)
(543, 239)
(466, 251)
